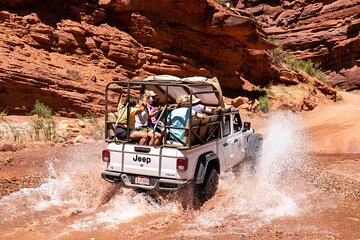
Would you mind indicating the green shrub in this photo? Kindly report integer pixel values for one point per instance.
(3, 113)
(42, 110)
(264, 103)
(91, 116)
(279, 56)
(311, 68)
(272, 38)
(15, 132)
(79, 116)
(49, 129)
(37, 124)
(44, 121)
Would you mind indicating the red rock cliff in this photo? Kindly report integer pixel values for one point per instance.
(324, 31)
(63, 52)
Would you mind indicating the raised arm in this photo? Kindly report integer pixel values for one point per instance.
(210, 110)
(197, 115)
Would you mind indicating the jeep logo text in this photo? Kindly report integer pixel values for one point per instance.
(142, 159)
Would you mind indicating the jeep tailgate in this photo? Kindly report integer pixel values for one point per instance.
(143, 160)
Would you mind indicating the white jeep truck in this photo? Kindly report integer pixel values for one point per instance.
(192, 164)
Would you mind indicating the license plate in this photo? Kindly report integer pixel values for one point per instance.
(142, 180)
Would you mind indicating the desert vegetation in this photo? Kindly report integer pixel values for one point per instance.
(45, 125)
(282, 57)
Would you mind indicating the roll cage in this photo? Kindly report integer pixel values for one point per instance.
(197, 131)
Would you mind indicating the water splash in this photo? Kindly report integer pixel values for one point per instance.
(273, 192)
(75, 195)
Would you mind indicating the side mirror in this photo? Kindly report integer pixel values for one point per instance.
(247, 126)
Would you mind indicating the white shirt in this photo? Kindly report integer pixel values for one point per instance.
(141, 120)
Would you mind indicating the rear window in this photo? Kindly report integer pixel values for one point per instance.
(237, 123)
(226, 125)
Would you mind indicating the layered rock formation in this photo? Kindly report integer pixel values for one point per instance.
(323, 31)
(64, 52)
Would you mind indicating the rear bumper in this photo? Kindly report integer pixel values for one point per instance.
(127, 180)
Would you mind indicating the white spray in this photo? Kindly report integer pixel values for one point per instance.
(74, 188)
(273, 192)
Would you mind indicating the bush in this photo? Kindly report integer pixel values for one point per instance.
(280, 56)
(264, 103)
(3, 113)
(272, 38)
(311, 68)
(49, 129)
(37, 124)
(42, 110)
(44, 121)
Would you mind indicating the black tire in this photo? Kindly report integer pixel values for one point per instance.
(190, 196)
(253, 154)
(209, 186)
(193, 196)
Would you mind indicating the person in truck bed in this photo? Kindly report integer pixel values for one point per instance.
(142, 123)
(180, 116)
(152, 112)
(198, 110)
(121, 127)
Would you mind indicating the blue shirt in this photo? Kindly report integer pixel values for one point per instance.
(178, 118)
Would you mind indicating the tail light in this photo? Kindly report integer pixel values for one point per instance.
(181, 164)
(106, 155)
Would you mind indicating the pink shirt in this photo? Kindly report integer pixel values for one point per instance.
(151, 109)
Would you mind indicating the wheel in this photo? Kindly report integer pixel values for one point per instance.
(190, 196)
(253, 155)
(193, 196)
(209, 186)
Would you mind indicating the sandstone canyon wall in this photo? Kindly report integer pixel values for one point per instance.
(323, 31)
(64, 52)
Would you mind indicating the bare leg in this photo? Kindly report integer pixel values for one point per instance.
(143, 141)
(135, 135)
(150, 134)
(157, 139)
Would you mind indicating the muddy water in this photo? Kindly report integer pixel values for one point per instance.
(278, 201)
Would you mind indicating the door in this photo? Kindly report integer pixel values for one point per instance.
(238, 138)
(226, 143)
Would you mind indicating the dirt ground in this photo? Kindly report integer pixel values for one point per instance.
(320, 199)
